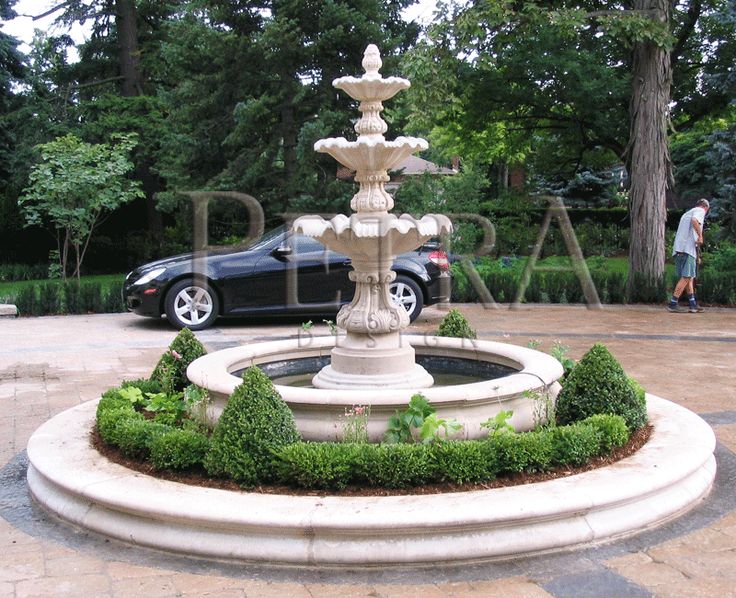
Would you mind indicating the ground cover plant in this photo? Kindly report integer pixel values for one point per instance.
(256, 442)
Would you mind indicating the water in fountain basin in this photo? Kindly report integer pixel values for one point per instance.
(447, 371)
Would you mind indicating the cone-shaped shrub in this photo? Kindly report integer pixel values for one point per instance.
(255, 423)
(598, 384)
(456, 325)
(171, 369)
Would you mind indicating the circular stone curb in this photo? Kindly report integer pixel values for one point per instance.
(672, 473)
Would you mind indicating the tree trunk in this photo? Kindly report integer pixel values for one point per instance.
(126, 21)
(650, 158)
(289, 132)
(128, 52)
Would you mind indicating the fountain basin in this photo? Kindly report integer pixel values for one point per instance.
(318, 412)
(671, 474)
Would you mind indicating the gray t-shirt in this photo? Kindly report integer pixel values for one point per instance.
(686, 235)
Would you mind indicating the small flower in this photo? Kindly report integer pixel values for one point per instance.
(359, 410)
(175, 354)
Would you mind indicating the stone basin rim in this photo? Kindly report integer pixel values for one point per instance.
(535, 370)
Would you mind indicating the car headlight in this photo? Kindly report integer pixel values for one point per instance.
(149, 276)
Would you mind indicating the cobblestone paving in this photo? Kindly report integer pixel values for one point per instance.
(50, 364)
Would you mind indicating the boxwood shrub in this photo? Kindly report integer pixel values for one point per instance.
(179, 449)
(327, 465)
(612, 428)
(135, 436)
(255, 423)
(598, 384)
(575, 444)
(171, 370)
(454, 324)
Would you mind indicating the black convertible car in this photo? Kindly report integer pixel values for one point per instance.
(281, 273)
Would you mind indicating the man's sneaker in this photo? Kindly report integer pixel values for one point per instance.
(696, 310)
(675, 309)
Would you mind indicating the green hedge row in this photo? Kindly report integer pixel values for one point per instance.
(564, 287)
(326, 465)
(50, 298)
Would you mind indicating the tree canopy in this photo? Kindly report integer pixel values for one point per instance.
(231, 95)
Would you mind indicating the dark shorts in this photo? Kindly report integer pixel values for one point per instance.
(685, 266)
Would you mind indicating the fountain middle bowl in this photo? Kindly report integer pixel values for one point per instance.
(526, 384)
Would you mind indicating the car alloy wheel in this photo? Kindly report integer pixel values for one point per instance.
(191, 305)
(406, 293)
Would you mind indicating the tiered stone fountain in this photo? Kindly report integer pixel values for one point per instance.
(373, 363)
(372, 354)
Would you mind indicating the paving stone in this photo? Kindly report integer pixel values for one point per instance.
(203, 585)
(456, 589)
(75, 564)
(20, 565)
(641, 569)
(698, 588)
(339, 590)
(262, 589)
(157, 586)
(119, 570)
(48, 370)
(727, 435)
(513, 587)
(403, 591)
(59, 587)
(594, 584)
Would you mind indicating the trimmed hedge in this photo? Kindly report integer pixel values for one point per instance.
(178, 449)
(327, 465)
(50, 298)
(598, 384)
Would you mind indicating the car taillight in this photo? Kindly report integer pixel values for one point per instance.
(439, 259)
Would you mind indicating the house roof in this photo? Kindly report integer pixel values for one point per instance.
(415, 165)
(411, 166)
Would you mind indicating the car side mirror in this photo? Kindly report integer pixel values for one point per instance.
(282, 251)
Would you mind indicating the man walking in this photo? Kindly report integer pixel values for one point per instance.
(687, 240)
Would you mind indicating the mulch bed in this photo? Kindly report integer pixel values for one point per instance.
(197, 477)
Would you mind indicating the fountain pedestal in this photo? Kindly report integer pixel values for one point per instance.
(372, 353)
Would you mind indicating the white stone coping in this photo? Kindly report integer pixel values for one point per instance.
(319, 412)
(536, 369)
(668, 476)
(9, 310)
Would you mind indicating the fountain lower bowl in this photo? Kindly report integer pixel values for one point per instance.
(319, 412)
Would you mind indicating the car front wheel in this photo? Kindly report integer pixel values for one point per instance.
(192, 305)
(405, 292)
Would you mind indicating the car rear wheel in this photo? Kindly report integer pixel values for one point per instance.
(192, 305)
(405, 292)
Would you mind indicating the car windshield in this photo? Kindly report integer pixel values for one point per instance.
(266, 238)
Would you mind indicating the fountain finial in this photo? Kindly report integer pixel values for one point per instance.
(372, 60)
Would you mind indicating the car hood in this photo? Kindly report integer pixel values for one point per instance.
(185, 257)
